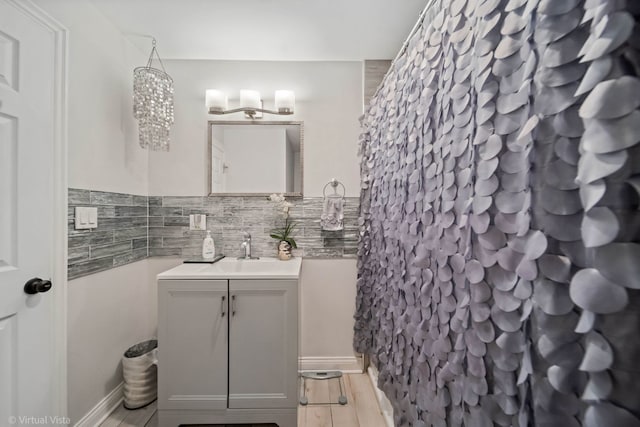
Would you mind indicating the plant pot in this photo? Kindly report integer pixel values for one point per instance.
(284, 250)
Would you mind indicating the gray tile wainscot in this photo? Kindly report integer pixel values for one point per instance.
(121, 236)
(133, 227)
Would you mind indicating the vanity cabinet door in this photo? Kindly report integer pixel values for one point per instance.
(263, 344)
(192, 344)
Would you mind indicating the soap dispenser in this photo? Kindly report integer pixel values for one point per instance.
(208, 247)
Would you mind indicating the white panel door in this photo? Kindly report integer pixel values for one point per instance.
(263, 344)
(192, 344)
(28, 381)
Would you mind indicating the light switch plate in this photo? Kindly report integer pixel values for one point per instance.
(197, 222)
(86, 218)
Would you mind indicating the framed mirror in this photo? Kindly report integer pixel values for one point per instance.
(255, 158)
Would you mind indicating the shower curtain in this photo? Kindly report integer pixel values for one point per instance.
(499, 253)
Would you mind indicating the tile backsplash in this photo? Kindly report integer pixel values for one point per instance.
(132, 227)
(229, 217)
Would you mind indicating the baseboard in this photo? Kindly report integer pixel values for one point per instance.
(348, 364)
(383, 402)
(103, 409)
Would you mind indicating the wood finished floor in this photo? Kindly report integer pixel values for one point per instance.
(362, 409)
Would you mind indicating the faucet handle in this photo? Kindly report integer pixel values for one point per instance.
(247, 236)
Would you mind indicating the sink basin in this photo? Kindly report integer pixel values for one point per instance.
(232, 268)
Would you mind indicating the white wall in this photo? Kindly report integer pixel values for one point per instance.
(103, 150)
(327, 305)
(108, 311)
(329, 102)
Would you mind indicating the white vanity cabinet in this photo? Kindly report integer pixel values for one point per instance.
(227, 348)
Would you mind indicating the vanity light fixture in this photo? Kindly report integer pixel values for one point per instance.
(250, 103)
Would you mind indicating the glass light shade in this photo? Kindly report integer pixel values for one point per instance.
(217, 100)
(285, 101)
(250, 99)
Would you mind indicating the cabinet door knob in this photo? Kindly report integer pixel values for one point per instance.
(233, 305)
(222, 306)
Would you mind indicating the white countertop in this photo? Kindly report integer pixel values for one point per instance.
(232, 268)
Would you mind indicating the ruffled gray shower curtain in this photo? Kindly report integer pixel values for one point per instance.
(499, 258)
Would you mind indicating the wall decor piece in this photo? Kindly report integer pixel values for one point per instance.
(499, 245)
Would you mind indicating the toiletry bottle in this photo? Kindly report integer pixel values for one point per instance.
(208, 247)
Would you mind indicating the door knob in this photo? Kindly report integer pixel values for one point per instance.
(36, 285)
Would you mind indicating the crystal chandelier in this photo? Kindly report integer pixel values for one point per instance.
(153, 103)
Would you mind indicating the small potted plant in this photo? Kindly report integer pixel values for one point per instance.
(283, 235)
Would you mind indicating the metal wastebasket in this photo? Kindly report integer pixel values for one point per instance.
(140, 371)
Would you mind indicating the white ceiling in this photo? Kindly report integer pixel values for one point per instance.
(270, 30)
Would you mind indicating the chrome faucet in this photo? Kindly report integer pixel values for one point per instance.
(246, 245)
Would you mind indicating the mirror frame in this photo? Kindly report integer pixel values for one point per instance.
(210, 123)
